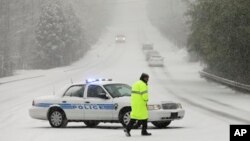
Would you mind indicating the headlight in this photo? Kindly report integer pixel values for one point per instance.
(154, 107)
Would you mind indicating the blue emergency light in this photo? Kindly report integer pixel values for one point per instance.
(90, 80)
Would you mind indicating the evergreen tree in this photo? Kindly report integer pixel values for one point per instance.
(6, 67)
(50, 35)
(73, 48)
(220, 34)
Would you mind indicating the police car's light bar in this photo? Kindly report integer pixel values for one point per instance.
(94, 80)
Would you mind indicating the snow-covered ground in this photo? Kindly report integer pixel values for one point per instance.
(210, 107)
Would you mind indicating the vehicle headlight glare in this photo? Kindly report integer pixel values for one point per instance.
(154, 107)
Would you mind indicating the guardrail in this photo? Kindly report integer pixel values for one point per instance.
(20, 79)
(225, 81)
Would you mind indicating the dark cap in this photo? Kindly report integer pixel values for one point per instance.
(143, 76)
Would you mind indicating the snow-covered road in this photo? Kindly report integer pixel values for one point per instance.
(210, 107)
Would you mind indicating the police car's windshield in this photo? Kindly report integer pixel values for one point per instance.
(118, 90)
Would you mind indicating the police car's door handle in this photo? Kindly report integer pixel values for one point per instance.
(87, 102)
(64, 101)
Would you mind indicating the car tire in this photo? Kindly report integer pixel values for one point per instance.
(161, 124)
(91, 124)
(57, 118)
(124, 118)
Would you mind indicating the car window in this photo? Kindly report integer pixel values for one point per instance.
(118, 90)
(75, 91)
(96, 91)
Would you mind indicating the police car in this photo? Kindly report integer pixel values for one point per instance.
(99, 100)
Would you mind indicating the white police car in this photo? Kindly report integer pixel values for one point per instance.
(98, 101)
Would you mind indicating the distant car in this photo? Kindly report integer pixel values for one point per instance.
(151, 53)
(156, 61)
(99, 101)
(147, 47)
(120, 38)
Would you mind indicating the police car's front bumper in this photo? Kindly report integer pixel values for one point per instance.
(38, 113)
(166, 115)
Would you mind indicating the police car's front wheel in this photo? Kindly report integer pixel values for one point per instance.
(57, 118)
(124, 118)
(161, 124)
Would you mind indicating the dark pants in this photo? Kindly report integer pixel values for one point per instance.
(144, 124)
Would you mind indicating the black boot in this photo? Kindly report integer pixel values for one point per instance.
(144, 128)
(127, 133)
(129, 127)
(145, 134)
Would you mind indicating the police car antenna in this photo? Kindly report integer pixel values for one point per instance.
(71, 80)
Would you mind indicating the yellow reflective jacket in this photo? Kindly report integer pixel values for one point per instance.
(138, 100)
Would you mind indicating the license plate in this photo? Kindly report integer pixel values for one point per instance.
(174, 115)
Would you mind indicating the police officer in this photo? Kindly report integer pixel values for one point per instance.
(138, 100)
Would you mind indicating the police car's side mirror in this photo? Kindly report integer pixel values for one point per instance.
(103, 95)
(107, 97)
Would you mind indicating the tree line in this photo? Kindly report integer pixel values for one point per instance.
(58, 36)
(216, 32)
(43, 34)
(220, 35)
